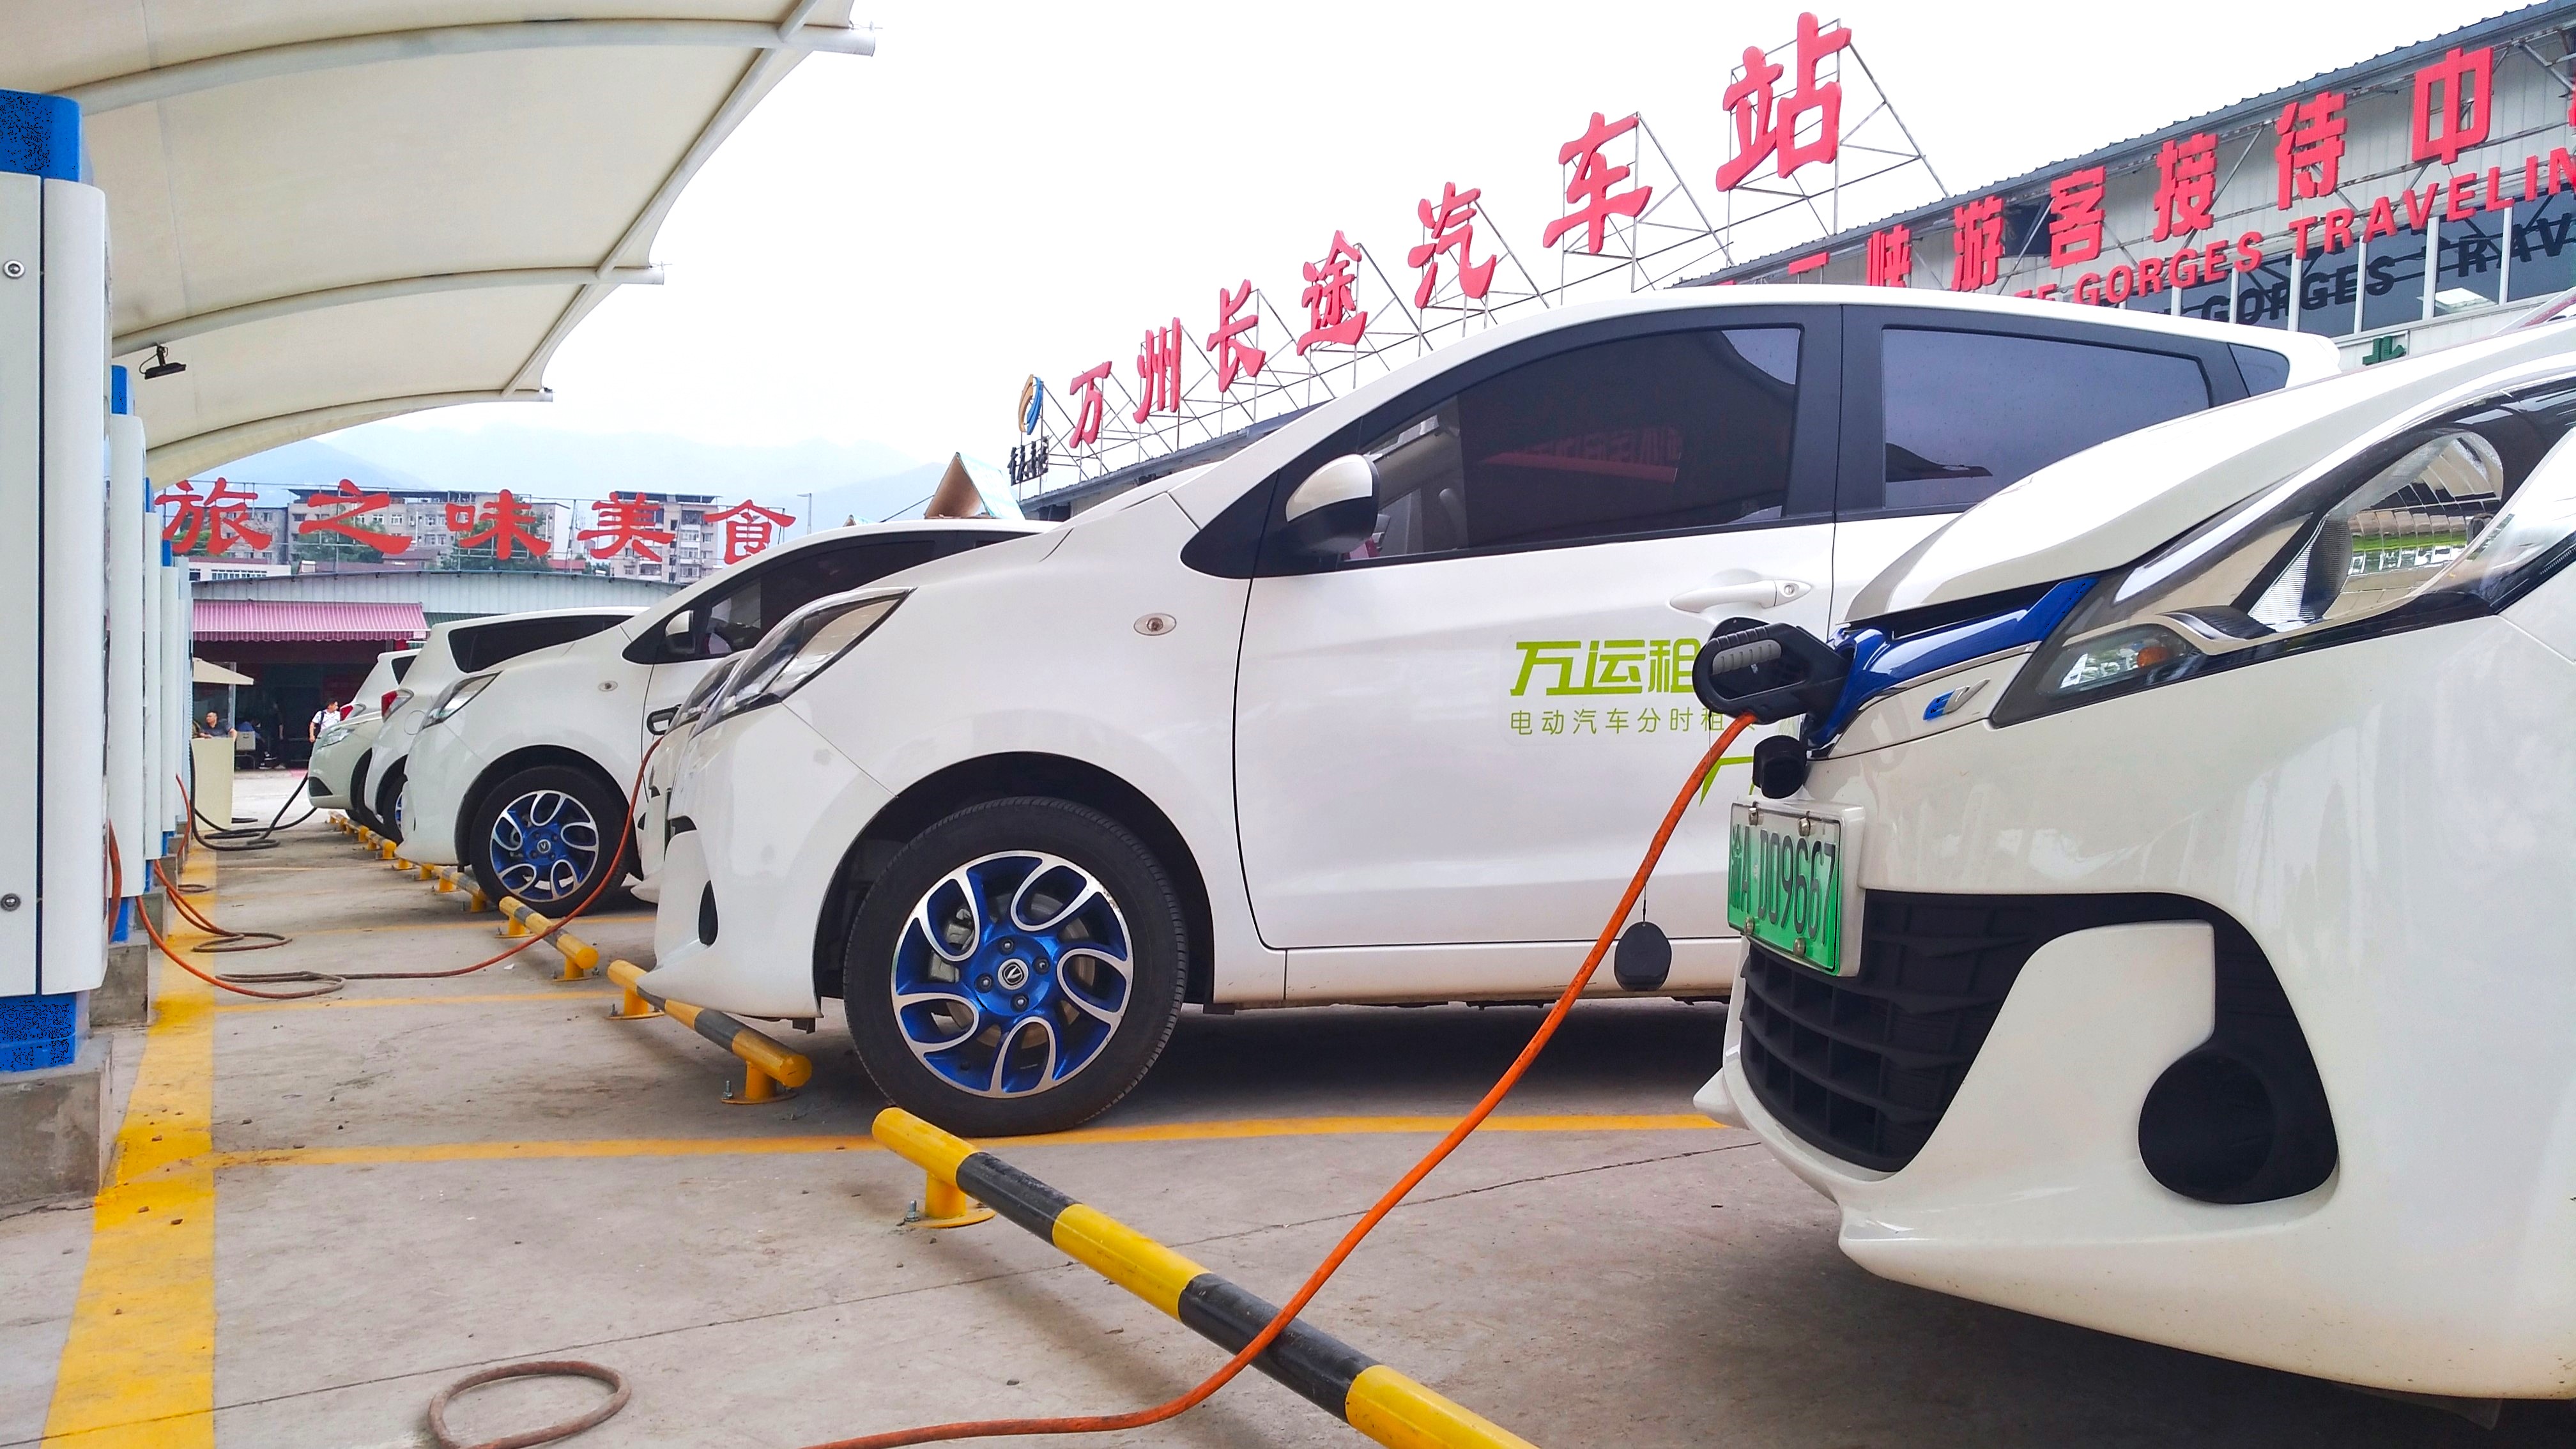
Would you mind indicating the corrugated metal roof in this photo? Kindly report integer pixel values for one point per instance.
(2249, 113)
(243, 620)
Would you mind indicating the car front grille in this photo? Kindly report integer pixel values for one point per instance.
(1863, 1066)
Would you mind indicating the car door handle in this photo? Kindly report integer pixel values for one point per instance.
(1759, 594)
(659, 721)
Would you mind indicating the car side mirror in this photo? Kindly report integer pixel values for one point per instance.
(1335, 509)
(679, 635)
(659, 721)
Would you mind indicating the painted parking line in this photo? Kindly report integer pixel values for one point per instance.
(1220, 1131)
(138, 1367)
(342, 1003)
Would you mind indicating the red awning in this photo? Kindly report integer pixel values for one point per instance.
(240, 621)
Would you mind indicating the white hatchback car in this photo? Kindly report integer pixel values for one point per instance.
(527, 786)
(337, 750)
(455, 648)
(1379, 708)
(2170, 933)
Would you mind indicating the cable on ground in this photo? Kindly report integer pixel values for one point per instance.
(551, 1368)
(1493, 1098)
(325, 983)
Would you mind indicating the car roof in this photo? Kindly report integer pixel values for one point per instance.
(822, 536)
(479, 620)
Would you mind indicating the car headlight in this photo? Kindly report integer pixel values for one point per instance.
(334, 735)
(458, 695)
(802, 647)
(2450, 519)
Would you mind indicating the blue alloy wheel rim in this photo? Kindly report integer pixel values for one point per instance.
(544, 846)
(1012, 974)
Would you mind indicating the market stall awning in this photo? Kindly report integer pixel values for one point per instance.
(245, 621)
(333, 213)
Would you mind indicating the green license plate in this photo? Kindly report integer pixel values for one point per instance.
(1784, 883)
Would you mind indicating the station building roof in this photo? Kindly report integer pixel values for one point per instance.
(245, 621)
(335, 211)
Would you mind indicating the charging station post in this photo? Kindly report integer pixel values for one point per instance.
(53, 562)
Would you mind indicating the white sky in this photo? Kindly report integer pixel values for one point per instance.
(891, 243)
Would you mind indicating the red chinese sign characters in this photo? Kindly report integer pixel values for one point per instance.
(2186, 186)
(1331, 314)
(626, 526)
(1451, 225)
(1235, 355)
(748, 528)
(1891, 257)
(503, 523)
(352, 501)
(213, 522)
(1979, 234)
(2310, 149)
(2451, 104)
(2075, 217)
(1768, 130)
(1589, 192)
(1088, 406)
(1158, 371)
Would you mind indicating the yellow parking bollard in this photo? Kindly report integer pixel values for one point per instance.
(579, 956)
(1351, 1385)
(770, 1072)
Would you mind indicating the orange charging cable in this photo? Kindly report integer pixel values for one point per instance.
(1493, 1098)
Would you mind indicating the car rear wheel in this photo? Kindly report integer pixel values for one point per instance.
(388, 807)
(544, 835)
(358, 810)
(1016, 969)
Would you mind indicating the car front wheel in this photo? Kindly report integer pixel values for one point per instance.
(544, 835)
(1016, 969)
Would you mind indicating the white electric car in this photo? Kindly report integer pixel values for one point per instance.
(337, 749)
(2172, 931)
(521, 773)
(452, 649)
(1380, 708)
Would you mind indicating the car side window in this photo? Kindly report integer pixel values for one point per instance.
(1654, 434)
(735, 619)
(1970, 413)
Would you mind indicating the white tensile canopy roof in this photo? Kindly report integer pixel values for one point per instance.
(334, 211)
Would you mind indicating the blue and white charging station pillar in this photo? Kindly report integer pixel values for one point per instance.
(128, 641)
(53, 561)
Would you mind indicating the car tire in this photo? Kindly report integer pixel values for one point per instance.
(358, 810)
(543, 835)
(388, 806)
(1072, 1034)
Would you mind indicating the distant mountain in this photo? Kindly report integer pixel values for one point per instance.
(311, 464)
(552, 463)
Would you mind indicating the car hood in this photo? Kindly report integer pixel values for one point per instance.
(2115, 502)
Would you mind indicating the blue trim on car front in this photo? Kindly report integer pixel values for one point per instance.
(1880, 661)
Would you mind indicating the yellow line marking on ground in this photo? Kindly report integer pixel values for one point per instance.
(320, 1003)
(138, 1367)
(1080, 1137)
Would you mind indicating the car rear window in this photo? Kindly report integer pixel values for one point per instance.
(480, 646)
(402, 667)
(1970, 413)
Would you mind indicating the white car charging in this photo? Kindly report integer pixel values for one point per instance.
(2160, 922)
(1368, 711)
(522, 773)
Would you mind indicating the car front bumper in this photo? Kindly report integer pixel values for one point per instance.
(439, 770)
(2386, 821)
(768, 812)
